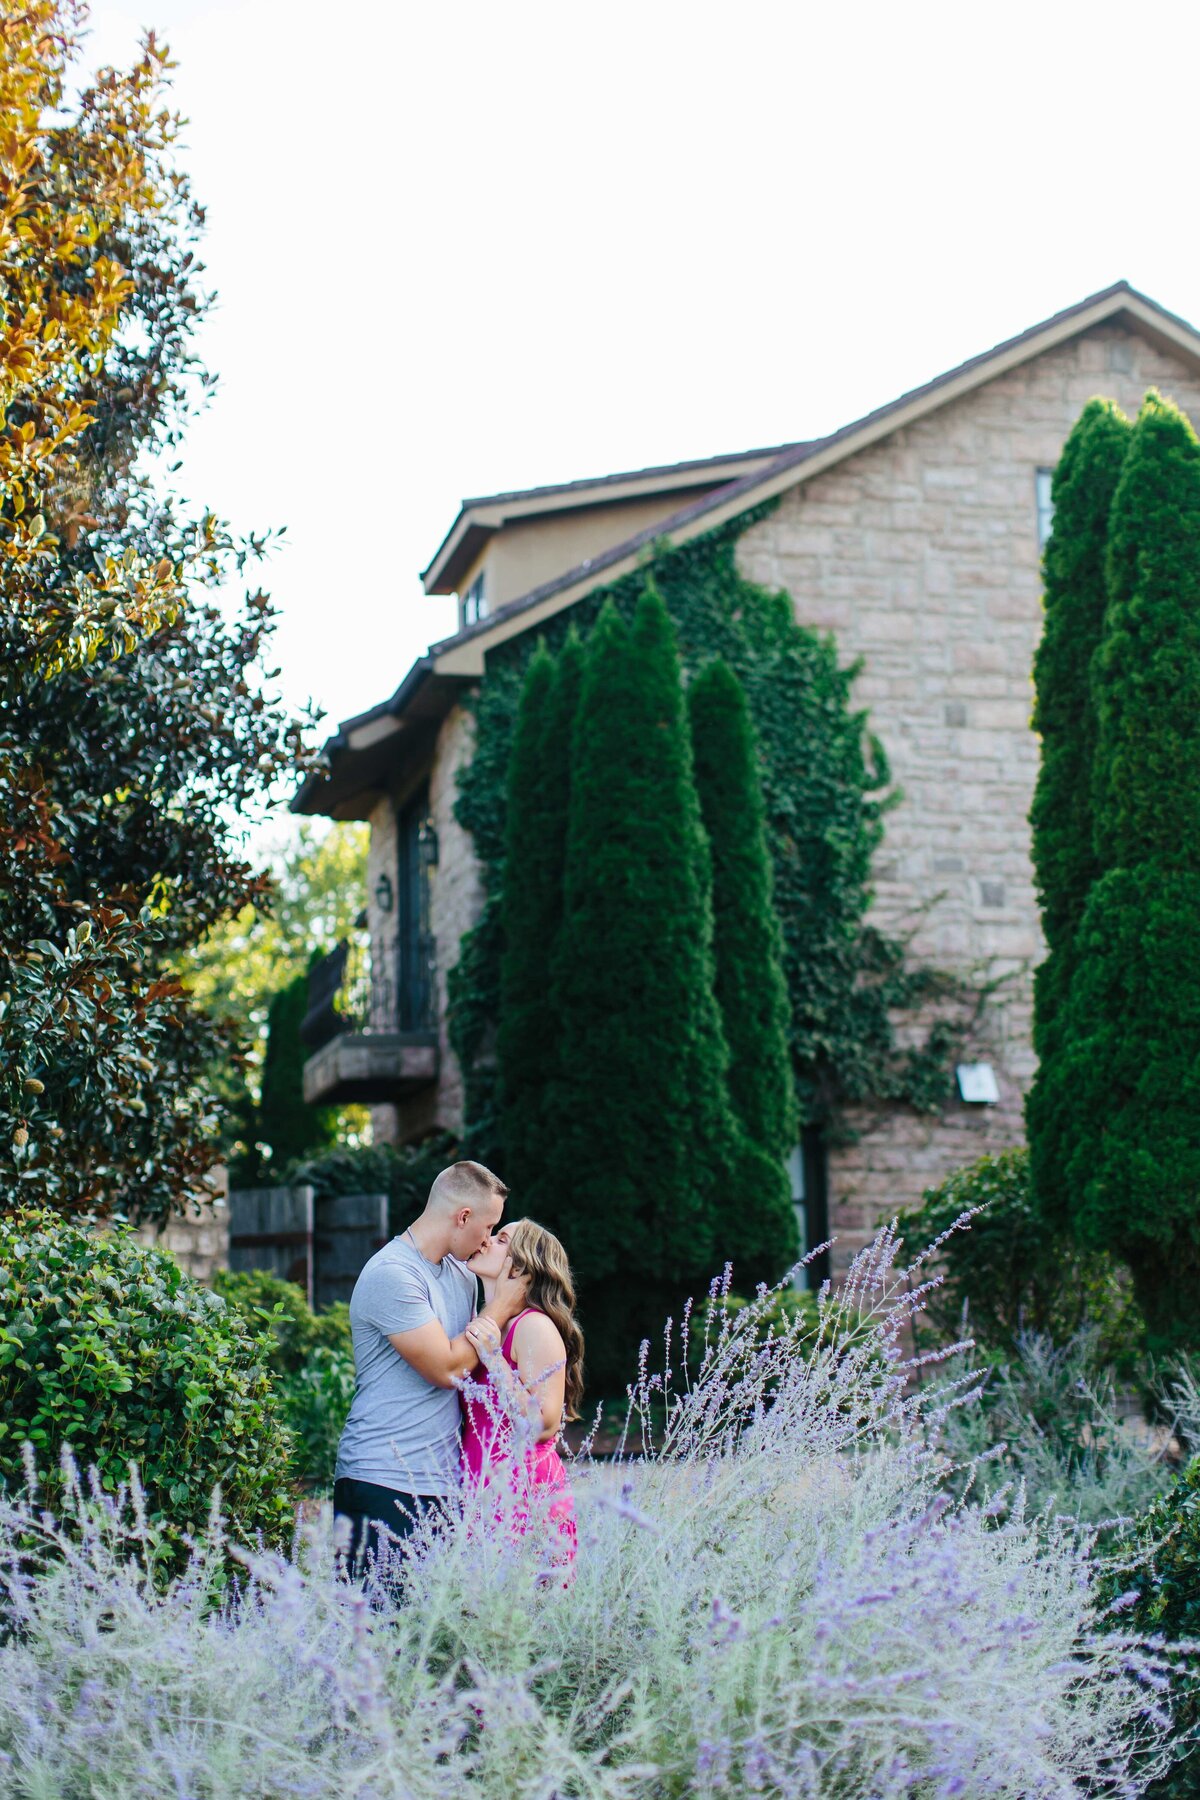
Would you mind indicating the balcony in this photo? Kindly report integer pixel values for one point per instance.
(370, 1025)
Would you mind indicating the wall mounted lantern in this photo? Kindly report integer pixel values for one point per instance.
(385, 893)
(427, 839)
(977, 1083)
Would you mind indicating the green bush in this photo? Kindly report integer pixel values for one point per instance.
(1013, 1271)
(109, 1350)
(316, 1401)
(311, 1359)
(757, 1230)
(1165, 1585)
(405, 1173)
(529, 1027)
(298, 1331)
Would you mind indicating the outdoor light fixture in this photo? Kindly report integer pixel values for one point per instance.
(385, 894)
(977, 1083)
(427, 838)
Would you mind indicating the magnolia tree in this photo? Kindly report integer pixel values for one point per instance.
(134, 728)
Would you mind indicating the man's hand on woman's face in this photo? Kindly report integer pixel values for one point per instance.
(509, 1295)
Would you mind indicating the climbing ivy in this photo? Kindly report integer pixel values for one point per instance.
(827, 788)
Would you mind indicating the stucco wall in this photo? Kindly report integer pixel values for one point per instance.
(530, 551)
(920, 555)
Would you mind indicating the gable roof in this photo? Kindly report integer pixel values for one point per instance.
(463, 654)
(360, 754)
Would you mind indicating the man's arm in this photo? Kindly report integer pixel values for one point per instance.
(443, 1361)
(440, 1360)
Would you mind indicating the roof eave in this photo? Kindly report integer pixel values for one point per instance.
(360, 755)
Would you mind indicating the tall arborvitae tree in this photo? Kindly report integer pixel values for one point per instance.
(1063, 838)
(532, 906)
(539, 784)
(757, 1229)
(640, 1152)
(1124, 1079)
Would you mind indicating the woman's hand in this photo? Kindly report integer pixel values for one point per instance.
(484, 1333)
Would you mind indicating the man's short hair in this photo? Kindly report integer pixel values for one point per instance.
(465, 1184)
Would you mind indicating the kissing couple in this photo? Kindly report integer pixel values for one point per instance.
(446, 1396)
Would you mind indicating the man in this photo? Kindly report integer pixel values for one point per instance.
(412, 1319)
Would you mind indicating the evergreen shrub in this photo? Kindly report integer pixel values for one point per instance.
(1062, 817)
(286, 1123)
(530, 1026)
(826, 788)
(1122, 1085)
(1013, 1271)
(311, 1359)
(1075, 600)
(109, 1350)
(1126, 1082)
(639, 1159)
(757, 1229)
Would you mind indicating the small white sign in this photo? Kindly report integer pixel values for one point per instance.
(977, 1083)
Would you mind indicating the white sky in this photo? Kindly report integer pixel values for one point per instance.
(463, 247)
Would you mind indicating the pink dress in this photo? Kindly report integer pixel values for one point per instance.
(487, 1441)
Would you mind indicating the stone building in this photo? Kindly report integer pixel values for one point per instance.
(914, 535)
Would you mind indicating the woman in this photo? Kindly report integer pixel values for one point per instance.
(535, 1383)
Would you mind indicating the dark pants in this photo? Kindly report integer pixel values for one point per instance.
(368, 1507)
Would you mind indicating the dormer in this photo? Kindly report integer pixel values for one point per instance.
(502, 546)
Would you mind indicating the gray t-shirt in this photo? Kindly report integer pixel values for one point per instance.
(403, 1432)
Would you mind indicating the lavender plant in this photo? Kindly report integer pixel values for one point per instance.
(1049, 1425)
(773, 1595)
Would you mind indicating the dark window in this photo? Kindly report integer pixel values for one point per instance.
(807, 1167)
(415, 986)
(475, 606)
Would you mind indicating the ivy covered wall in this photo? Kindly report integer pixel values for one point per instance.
(827, 790)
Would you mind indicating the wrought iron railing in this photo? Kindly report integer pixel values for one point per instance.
(361, 989)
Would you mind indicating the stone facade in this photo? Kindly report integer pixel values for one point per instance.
(198, 1238)
(920, 554)
(456, 898)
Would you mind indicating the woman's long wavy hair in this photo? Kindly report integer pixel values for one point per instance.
(537, 1254)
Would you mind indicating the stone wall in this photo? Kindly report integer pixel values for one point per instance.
(198, 1238)
(456, 898)
(921, 556)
